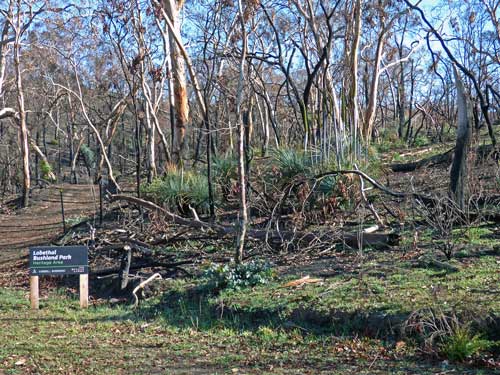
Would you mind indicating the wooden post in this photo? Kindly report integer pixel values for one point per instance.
(84, 291)
(34, 292)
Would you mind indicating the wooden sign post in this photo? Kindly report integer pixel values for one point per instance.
(34, 292)
(59, 260)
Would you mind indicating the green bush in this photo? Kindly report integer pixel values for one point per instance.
(179, 189)
(461, 344)
(236, 277)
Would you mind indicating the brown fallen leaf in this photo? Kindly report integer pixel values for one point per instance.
(302, 281)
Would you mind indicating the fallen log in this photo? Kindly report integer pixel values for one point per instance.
(482, 152)
(354, 240)
(138, 266)
(426, 162)
(274, 237)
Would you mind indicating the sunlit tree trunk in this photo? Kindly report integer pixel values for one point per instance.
(353, 90)
(371, 110)
(4, 45)
(240, 243)
(172, 8)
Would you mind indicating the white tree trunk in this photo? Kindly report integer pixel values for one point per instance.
(240, 242)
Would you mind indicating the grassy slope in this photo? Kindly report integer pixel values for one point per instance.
(386, 288)
(61, 339)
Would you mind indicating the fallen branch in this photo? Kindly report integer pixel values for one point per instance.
(299, 282)
(142, 285)
(176, 219)
(424, 198)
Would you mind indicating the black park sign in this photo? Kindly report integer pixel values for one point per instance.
(59, 260)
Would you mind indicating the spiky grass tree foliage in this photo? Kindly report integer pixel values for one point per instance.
(292, 162)
(179, 189)
(225, 171)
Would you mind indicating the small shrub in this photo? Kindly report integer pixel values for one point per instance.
(389, 140)
(442, 217)
(327, 186)
(461, 344)
(269, 337)
(239, 276)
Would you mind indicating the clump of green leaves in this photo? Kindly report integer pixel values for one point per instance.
(446, 335)
(179, 189)
(239, 276)
(462, 344)
(421, 141)
(291, 162)
(225, 171)
(88, 155)
(46, 169)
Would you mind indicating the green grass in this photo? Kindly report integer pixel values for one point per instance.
(395, 290)
(462, 344)
(61, 338)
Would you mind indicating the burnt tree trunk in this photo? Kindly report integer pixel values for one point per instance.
(459, 170)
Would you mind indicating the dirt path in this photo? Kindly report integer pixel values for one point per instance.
(41, 223)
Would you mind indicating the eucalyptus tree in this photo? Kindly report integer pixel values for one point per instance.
(17, 19)
(453, 53)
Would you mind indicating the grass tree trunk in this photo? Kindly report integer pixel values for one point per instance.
(459, 170)
(172, 8)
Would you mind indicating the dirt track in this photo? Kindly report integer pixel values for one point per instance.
(41, 223)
